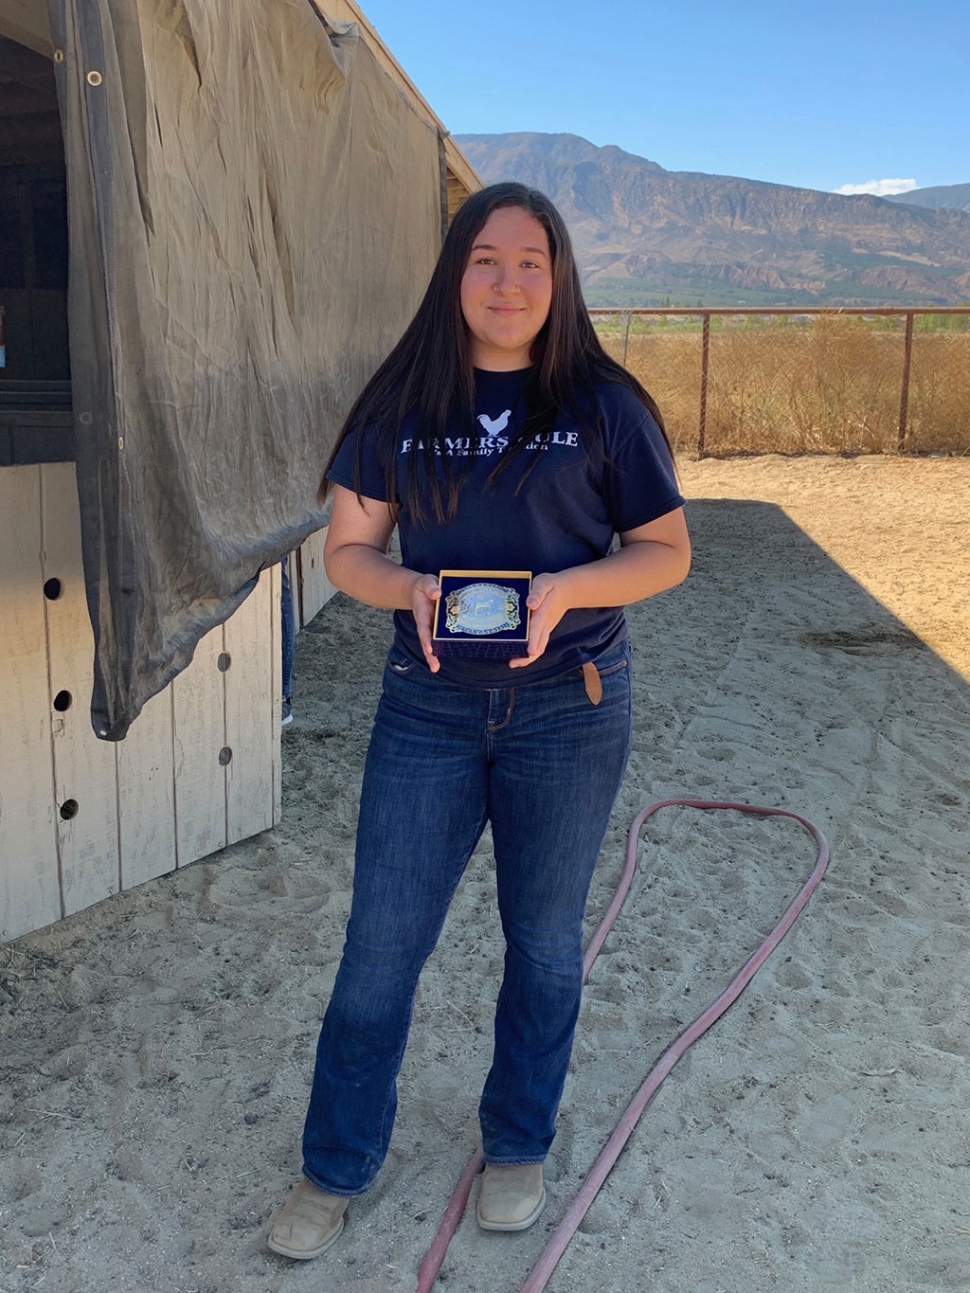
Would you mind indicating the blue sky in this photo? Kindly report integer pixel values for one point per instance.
(820, 94)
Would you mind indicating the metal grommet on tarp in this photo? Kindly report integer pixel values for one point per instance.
(94, 78)
(58, 56)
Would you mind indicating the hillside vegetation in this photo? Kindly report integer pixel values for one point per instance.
(828, 385)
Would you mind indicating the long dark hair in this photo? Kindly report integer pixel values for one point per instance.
(429, 372)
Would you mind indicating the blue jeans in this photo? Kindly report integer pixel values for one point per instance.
(288, 617)
(543, 765)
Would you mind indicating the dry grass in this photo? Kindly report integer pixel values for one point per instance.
(829, 385)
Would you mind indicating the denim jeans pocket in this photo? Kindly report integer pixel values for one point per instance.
(614, 660)
(606, 670)
(400, 665)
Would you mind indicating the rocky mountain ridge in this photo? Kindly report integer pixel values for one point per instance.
(644, 234)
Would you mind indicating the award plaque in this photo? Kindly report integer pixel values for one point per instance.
(483, 614)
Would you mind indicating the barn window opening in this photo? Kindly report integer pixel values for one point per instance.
(35, 385)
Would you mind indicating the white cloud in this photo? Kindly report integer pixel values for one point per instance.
(880, 188)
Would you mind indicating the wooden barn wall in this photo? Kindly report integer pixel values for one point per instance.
(81, 819)
(308, 579)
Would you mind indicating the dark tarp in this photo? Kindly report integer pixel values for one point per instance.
(254, 210)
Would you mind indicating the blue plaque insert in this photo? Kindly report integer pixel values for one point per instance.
(482, 613)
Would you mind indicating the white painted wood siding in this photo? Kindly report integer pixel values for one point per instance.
(82, 818)
(317, 588)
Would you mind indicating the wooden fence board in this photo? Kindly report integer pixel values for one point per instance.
(29, 884)
(85, 772)
(253, 705)
(146, 794)
(317, 588)
(199, 709)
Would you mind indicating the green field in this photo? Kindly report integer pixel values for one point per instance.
(641, 293)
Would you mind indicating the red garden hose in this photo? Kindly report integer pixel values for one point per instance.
(543, 1269)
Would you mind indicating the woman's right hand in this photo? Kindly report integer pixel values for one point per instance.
(425, 593)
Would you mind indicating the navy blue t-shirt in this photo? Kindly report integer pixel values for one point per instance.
(566, 514)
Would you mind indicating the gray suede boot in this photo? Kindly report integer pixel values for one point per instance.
(510, 1198)
(311, 1221)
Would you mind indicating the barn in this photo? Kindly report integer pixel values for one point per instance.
(214, 221)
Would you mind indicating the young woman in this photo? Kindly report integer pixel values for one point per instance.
(498, 435)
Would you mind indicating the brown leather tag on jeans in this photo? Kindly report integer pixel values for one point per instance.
(594, 683)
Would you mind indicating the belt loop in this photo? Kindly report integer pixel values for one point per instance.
(594, 683)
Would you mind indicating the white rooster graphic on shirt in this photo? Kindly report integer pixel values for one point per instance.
(496, 426)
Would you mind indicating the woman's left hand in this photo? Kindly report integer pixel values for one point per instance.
(650, 558)
(547, 605)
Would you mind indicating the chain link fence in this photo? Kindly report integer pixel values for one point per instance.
(847, 381)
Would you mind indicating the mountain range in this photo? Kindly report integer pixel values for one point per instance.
(646, 236)
(942, 195)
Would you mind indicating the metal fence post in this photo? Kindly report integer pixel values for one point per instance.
(705, 350)
(904, 396)
(626, 337)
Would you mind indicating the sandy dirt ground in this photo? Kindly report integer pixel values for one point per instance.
(157, 1049)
